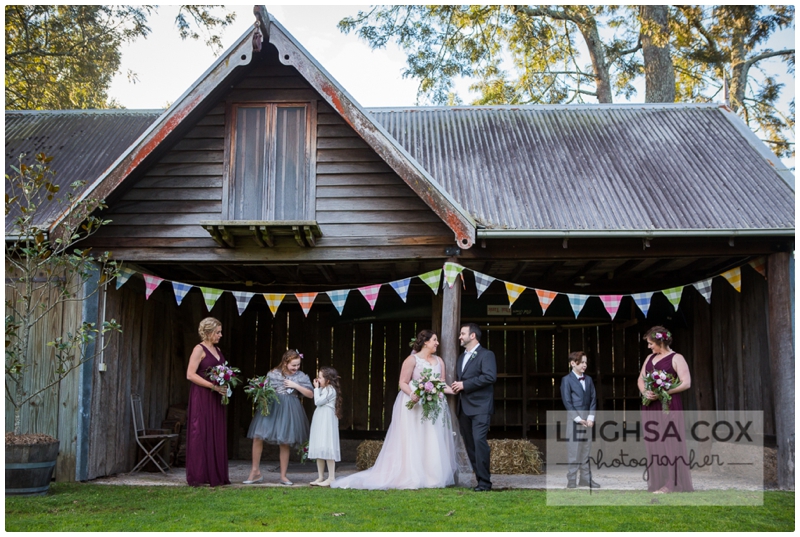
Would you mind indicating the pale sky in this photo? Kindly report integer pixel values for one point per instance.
(166, 66)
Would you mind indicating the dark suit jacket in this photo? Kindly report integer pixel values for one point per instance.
(478, 377)
(577, 401)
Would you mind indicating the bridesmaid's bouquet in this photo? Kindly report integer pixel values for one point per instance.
(259, 390)
(430, 390)
(658, 382)
(224, 375)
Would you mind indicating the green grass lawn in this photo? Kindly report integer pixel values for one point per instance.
(88, 507)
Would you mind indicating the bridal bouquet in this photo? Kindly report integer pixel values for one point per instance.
(658, 382)
(224, 375)
(430, 390)
(259, 390)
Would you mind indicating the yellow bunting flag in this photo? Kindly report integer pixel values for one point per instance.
(734, 277)
(273, 301)
(514, 291)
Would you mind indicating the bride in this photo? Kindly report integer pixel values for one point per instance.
(416, 454)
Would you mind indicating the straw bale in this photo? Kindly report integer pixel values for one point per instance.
(508, 456)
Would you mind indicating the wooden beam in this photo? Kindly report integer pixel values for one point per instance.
(298, 235)
(327, 273)
(226, 236)
(309, 236)
(781, 350)
(521, 267)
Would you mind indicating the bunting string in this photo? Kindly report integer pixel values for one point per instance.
(432, 279)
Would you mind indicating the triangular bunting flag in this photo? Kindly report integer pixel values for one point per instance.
(370, 292)
(513, 291)
(577, 302)
(734, 277)
(704, 287)
(760, 264)
(611, 302)
(674, 295)
(482, 282)
(305, 300)
(432, 279)
(401, 286)
(451, 272)
(180, 290)
(338, 298)
(124, 275)
(210, 296)
(150, 284)
(643, 301)
(242, 299)
(545, 298)
(273, 301)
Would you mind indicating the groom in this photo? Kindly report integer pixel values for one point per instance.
(476, 373)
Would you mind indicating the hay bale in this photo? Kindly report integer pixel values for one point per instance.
(508, 456)
(514, 457)
(366, 453)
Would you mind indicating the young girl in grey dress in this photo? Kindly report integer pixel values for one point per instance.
(286, 424)
(323, 442)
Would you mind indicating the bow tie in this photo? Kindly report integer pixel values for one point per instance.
(581, 378)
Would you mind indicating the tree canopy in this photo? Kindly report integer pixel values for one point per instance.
(565, 54)
(64, 57)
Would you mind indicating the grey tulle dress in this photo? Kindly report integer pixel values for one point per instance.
(287, 422)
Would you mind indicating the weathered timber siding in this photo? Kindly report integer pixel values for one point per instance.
(360, 202)
(55, 410)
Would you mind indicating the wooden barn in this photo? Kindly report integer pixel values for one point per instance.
(266, 177)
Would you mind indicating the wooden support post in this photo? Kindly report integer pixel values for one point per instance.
(781, 354)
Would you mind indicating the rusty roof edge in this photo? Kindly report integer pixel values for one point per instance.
(629, 233)
(394, 154)
(757, 144)
(170, 119)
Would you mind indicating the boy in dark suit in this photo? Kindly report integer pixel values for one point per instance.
(580, 400)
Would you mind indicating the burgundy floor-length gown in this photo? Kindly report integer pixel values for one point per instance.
(668, 456)
(206, 442)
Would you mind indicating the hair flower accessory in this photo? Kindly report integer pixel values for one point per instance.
(412, 342)
(300, 354)
(662, 335)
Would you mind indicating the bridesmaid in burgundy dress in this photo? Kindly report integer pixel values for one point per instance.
(206, 443)
(668, 456)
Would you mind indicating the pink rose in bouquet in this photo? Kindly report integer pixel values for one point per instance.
(660, 382)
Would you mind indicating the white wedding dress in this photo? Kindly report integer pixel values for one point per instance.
(415, 454)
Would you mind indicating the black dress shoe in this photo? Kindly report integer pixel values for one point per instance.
(482, 489)
(571, 485)
(592, 484)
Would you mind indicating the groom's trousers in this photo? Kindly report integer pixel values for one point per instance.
(474, 429)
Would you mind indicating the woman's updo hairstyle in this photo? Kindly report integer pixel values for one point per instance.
(660, 335)
(287, 358)
(422, 338)
(207, 327)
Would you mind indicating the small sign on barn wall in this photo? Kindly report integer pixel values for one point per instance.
(498, 310)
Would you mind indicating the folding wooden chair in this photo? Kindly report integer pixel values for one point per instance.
(150, 440)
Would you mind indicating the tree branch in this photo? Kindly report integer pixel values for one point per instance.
(765, 55)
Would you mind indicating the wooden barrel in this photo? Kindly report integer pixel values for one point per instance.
(29, 468)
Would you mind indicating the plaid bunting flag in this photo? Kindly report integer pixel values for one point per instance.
(432, 279)
(760, 264)
(150, 283)
(611, 302)
(124, 275)
(545, 298)
(370, 292)
(338, 298)
(482, 282)
(306, 300)
(451, 272)
(242, 299)
(577, 302)
(273, 301)
(704, 288)
(643, 301)
(180, 290)
(401, 286)
(674, 295)
(211, 296)
(513, 291)
(734, 277)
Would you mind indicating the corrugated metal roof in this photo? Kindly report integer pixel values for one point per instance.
(83, 143)
(598, 167)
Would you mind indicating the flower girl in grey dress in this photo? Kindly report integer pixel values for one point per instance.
(286, 424)
(323, 442)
